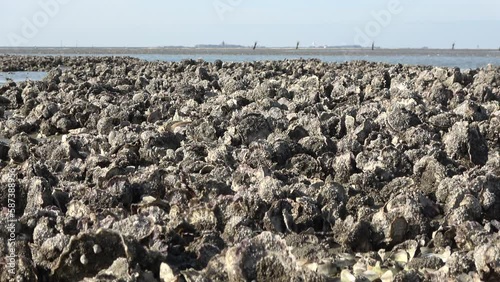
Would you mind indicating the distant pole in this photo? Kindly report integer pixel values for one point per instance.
(453, 46)
(297, 46)
(255, 45)
(373, 45)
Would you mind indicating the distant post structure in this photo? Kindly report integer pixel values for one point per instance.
(453, 46)
(254, 45)
(223, 44)
(373, 45)
(297, 46)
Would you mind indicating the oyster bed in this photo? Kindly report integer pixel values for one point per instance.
(128, 170)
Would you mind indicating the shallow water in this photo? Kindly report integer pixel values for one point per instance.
(431, 60)
(22, 76)
(462, 58)
(471, 61)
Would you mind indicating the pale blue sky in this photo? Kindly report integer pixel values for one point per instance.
(150, 23)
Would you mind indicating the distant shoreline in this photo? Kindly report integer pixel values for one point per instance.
(243, 51)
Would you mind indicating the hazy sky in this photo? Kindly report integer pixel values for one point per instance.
(150, 23)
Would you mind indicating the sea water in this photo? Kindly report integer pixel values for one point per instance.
(436, 60)
(21, 76)
(463, 59)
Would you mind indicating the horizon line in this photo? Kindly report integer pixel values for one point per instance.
(236, 46)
